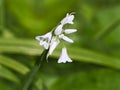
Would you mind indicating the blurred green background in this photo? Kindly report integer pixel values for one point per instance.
(96, 51)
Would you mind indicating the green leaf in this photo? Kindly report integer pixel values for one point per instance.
(11, 63)
(7, 74)
(19, 42)
(20, 50)
(30, 47)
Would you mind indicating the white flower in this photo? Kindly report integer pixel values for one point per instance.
(69, 31)
(45, 39)
(68, 19)
(64, 56)
(54, 42)
(51, 40)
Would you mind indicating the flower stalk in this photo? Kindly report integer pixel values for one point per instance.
(31, 75)
(50, 41)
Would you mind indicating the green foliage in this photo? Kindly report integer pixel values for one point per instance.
(5, 73)
(13, 65)
(95, 79)
(95, 53)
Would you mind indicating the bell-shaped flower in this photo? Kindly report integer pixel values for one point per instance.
(62, 36)
(68, 19)
(45, 40)
(64, 56)
(54, 42)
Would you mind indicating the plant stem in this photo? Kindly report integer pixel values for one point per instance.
(35, 69)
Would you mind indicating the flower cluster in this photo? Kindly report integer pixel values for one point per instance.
(52, 39)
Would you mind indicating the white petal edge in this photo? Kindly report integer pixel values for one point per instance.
(62, 36)
(38, 37)
(47, 35)
(64, 56)
(69, 31)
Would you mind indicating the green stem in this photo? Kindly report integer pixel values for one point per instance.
(31, 75)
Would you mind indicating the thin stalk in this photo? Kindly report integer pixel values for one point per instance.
(31, 75)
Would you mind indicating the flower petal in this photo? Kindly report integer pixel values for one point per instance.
(42, 42)
(48, 35)
(45, 39)
(46, 45)
(54, 42)
(38, 37)
(64, 56)
(69, 31)
(66, 38)
(58, 30)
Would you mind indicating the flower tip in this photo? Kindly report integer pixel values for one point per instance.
(61, 61)
(69, 31)
(65, 61)
(37, 38)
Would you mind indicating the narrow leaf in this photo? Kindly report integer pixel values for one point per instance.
(76, 53)
(7, 74)
(11, 63)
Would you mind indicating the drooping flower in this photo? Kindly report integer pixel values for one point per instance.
(68, 19)
(45, 39)
(64, 56)
(52, 39)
